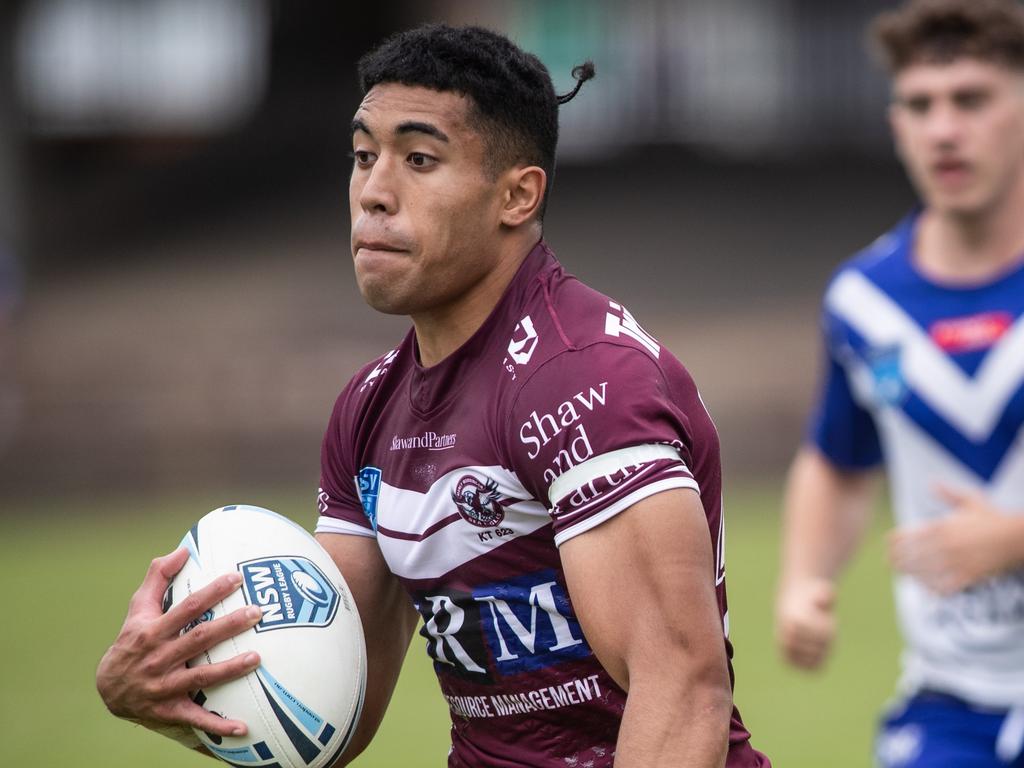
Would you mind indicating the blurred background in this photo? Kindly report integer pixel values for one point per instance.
(178, 313)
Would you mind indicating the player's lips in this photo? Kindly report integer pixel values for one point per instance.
(377, 245)
(951, 171)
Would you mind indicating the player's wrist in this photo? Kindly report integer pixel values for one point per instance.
(1009, 542)
(179, 732)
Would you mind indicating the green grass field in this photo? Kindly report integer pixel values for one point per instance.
(91, 555)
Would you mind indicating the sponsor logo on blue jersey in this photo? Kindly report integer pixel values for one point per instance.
(291, 592)
(368, 485)
(890, 387)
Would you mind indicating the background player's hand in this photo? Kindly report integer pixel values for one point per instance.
(805, 622)
(143, 676)
(973, 543)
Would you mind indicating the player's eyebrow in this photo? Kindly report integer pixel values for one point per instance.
(359, 125)
(414, 126)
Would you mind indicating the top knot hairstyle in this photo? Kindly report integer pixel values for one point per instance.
(939, 31)
(515, 106)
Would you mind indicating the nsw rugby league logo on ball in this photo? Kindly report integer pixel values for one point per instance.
(291, 592)
(478, 502)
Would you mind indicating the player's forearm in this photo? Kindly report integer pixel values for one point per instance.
(667, 724)
(826, 512)
(1009, 546)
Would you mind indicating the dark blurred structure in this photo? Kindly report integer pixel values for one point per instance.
(173, 183)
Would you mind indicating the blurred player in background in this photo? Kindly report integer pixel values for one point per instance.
(924, 332)
(529, 471)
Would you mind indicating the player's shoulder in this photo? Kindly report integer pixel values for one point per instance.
(883, 266)
(577, 333)
(368, 381)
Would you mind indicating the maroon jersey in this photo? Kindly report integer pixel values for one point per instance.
(557, 414)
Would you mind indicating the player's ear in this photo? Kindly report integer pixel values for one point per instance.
(524, 192)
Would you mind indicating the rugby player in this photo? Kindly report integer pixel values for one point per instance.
(529, 472)
(925, 375)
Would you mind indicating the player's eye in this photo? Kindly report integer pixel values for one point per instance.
(918, 105)
(363, 158)
(970, 100)
(420, 160)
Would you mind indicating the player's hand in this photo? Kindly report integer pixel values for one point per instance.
(805, 622)
(974, 542)
(143, 677)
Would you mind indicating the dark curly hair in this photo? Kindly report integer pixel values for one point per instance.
(515, 107)
(939, 31)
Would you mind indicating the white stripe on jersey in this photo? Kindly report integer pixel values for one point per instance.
(412, 513)
(622, 504)
(334, 525)
(423, 536)
(607, 464)
(972, 405)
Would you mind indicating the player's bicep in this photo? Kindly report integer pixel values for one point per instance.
(388, 619)
(643, 587)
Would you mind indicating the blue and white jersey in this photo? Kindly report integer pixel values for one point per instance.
(929, 377)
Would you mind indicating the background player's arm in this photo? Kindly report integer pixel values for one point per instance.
(974, 542)
(388, 619)
(826, 512)
(642, 585)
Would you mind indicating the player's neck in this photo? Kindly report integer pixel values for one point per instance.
(976, 247)
(442, 330)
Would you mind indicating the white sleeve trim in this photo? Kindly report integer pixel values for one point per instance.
(606, 464)
(334, 525)
(622, 504)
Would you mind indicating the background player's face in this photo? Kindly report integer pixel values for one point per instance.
(425, 214)
(959, 129)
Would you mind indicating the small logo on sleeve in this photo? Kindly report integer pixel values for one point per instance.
(368, 486)
(889, 386)
(379, 370)
(620, 322)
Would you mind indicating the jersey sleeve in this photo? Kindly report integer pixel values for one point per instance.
(339, 498)
(594, 431)
(842, 429)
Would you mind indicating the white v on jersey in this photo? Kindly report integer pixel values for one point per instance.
(931, 376)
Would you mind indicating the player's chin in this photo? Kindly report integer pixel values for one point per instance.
(383, 295)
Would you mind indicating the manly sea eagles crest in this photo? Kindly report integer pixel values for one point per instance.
(478, 503)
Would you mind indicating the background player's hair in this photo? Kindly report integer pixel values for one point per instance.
(515, 105)
(939, 31)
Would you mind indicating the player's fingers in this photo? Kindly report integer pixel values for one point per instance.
(806, 653)
(195, 605)
(205, 675)
(823, 595)
(954, 497)
(806, 636)
(207, 634)
(161, 570)
(184, 710)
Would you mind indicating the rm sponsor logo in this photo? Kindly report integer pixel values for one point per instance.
(516, 626)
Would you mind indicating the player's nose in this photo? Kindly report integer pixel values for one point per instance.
(378, 193)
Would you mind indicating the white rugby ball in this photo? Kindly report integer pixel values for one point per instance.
(303, 702)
